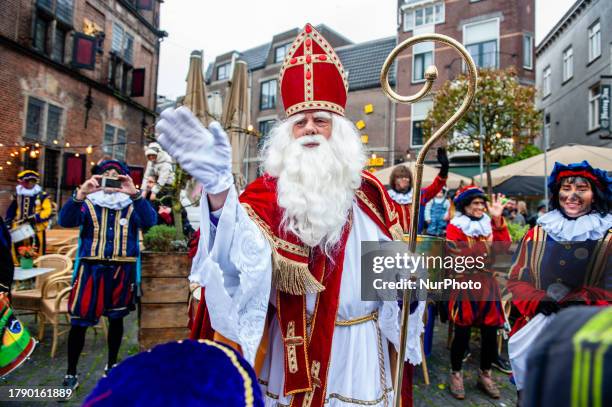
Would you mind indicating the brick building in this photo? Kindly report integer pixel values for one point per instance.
(366, 106)
(78, 82)
(497, 33)
(574, 77)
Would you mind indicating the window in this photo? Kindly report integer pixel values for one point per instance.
(267, 98)
(264, 131)
(122, 55)
(43, 120)
(41, 31)
(59, 45)
(594, 96)
(416, 17)
(527, 51)
(481, 41)
(419, 113)
(34, 118)
(122, 43)
(54, 117)
(568, 64)
(223, 72)
(594, 41)
(280, 52)
(546, 131)
(115, 142)
(484, 54)
(546, 81)
(417, 132)
(51, 23)
(420, 63)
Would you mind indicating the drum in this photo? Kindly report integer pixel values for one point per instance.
(22, 232)
(16, 343)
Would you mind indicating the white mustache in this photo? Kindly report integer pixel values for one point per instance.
(317, 138)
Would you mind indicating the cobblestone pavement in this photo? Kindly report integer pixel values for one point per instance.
(41, 370)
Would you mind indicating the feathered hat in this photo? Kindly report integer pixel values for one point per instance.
(28, 175)
(105, 165)
(183, 373)
(468, 192)
(583, 169)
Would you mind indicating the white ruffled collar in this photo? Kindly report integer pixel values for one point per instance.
(473, 228)
(401, 198)
(586, 227)
(28, 192)
(116, 200)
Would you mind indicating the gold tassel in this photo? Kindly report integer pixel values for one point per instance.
(293, 277)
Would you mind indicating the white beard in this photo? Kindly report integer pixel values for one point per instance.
(316, 186)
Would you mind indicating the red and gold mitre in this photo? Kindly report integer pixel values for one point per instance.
(312, 77)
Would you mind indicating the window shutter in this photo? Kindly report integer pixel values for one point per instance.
(84, 51)
(117, 42)
(144, 4)
(138, 82)
(63, 11)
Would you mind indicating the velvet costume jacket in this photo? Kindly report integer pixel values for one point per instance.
(427, 194)
(585, 267)
(38, 207)
(108, 234)
(464, 310)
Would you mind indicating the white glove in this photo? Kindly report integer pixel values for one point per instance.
(204, 153)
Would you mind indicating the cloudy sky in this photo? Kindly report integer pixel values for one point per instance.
(220, 26)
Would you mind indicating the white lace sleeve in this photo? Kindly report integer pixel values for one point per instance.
(390, 318)
(389, 322)
(234, 263)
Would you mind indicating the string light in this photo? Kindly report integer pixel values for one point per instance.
(36, 145)
(8, 163)
(89, 149)
(67, 144)
(1, 168)
(55, 142)
(76, 154)
(33, 153)
(92, 163)
(23, 149)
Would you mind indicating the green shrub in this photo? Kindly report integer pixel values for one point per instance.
(517, 231)
(161, 238)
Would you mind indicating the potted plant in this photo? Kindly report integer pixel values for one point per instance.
(27, 254)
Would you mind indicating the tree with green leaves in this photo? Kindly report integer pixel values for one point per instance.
(503, 110)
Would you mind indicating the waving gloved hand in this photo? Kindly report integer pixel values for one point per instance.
(443, 160)
(204, 153)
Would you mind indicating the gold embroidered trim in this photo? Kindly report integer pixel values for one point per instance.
(103, 229)
(598, 262)
(362, 196)
(76, 289)
(117, 234)
(361, 402)
(314, 372)
(288, 276)
(248, 383)
(126, 229)
(314, 105)
(291, 341)
(96, 226)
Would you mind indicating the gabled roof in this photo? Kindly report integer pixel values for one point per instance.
(364, 62)
(578, 7)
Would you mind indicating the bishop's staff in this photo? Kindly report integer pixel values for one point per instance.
(430, 76)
